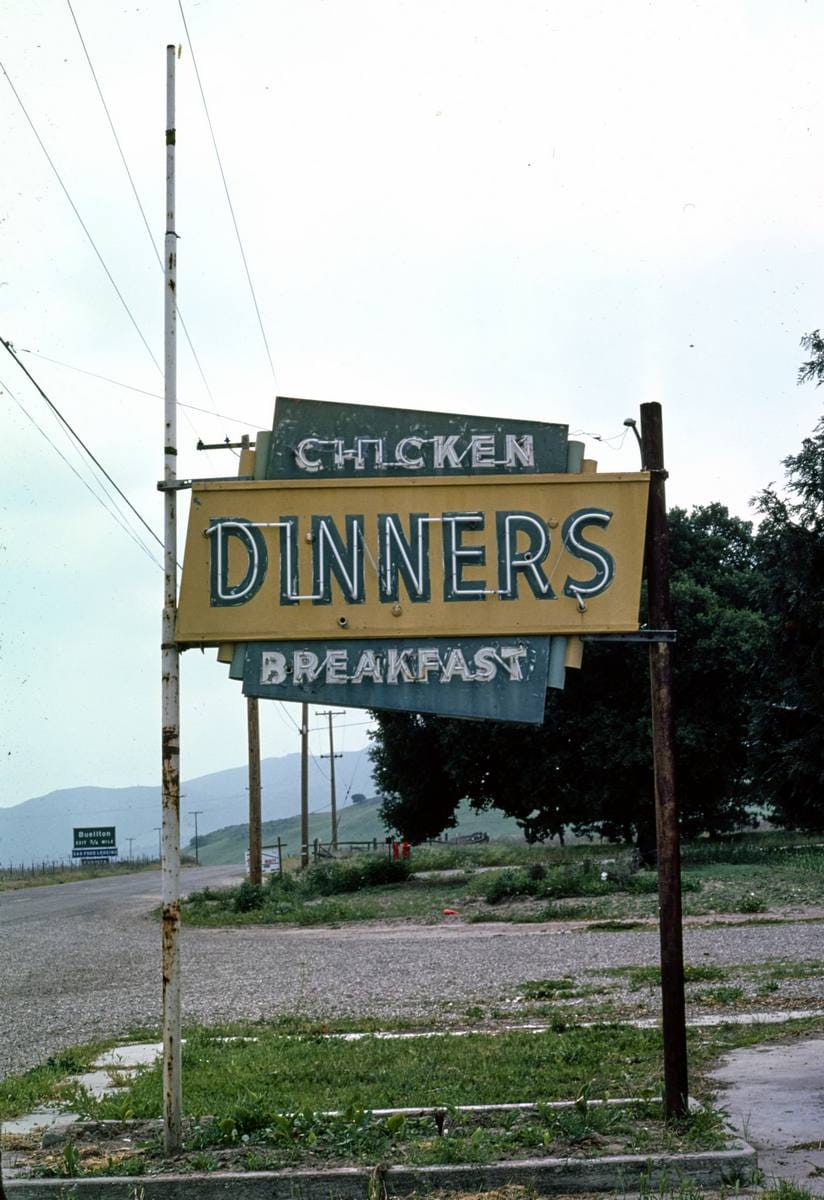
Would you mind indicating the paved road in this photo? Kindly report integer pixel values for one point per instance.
(83, 960)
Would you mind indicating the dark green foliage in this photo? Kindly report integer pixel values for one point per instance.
(788, 732)
(351, 874)
(248, 897)
(300, 897)
(590, 765)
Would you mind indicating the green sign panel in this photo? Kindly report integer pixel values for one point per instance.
(493, 678)
(95, 837)
(317, 439)
(95, 841)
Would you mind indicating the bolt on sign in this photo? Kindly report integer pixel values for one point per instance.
(418, 557)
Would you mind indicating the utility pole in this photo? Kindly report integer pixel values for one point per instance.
(304, 785)
(196, 812)
(332, 756)
(130, 840)
(663, 745)
(255, 837)
(170, 669)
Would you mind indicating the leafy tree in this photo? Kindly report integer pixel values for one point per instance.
(788, 731)
(589, 766)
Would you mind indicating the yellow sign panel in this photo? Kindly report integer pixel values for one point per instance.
(418, 557)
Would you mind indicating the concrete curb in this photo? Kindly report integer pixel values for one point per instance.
(542, 1175)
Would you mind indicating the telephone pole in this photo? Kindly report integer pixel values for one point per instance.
(170, 668)
(663, 746)
(304, 785)
(255, 836)
(196, 812)
(332, 756)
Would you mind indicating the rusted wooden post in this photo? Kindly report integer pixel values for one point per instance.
(255, 840)
(663, 741)
(170, 686)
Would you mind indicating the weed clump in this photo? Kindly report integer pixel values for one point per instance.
(352, 874)
(248, 897)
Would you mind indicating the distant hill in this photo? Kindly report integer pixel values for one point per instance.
(356, 823)
(41, 829)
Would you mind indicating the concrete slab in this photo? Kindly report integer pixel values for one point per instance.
(775, 1099)
(96, 1083)
(134, 1054)
(621, 1174)
(35, 1122)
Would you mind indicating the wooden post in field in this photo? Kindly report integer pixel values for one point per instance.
(663, 743)
(304, 785)
(255, 839)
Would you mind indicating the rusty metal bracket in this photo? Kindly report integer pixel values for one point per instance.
(639, 635)
(180, 485)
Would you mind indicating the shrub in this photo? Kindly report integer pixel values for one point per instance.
(350, 875)
(248, 897)
(507, 884)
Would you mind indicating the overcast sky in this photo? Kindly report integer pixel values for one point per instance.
(551, 210)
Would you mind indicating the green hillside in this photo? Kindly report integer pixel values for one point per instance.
(356, 823)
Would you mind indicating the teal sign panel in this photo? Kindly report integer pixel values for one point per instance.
(94, 837)
(500, 679)
(316, 438)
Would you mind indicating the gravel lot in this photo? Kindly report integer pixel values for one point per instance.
(83, 960)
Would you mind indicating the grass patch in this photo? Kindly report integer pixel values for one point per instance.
(548, 989)
(253, 1138)
(745, 877)
(614, 926)
(357, 889)
(718, 997)
(564, 988)
(447, 857)
(20, 1094)
(320, 1073)
(650, 977)
(260, 1104)
(793, 970)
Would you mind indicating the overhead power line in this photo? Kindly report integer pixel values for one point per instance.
(113, 513)
(83, 225)
(226, 190)
(136, 195)
(142, 391)
(80, 441)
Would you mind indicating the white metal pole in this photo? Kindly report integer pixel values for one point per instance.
(170, 699)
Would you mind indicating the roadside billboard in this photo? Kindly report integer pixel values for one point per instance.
(336, 559)
(94, 841)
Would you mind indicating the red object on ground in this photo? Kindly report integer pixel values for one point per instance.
(450, 912)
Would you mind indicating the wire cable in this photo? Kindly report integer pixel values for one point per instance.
(130, 387)
(116, 517)
(136, 196)
(226, 190)
(80, 441)
(620, 438)
(83, 225)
